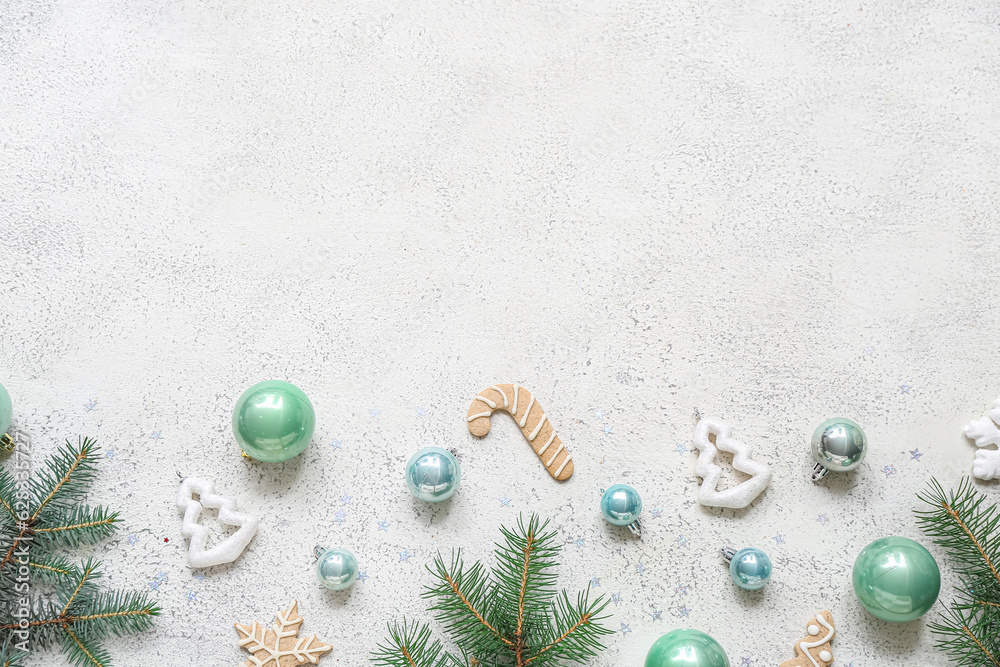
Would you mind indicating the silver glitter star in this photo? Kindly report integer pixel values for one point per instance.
(656, 614)
(505, 501)
(823, 519)
(915, 454)
(745, 661)
(905, 388)
(625, 630)
(684, 611)
(607, 429)
(778, 539)
(616, 598)
(90, 405)
(682, 541)
(599, 415)
(375, 412)
(421, 412)
(405, 555)
(191, 596)
(640, 568)
(683, 590)
(889, 470)
(580, 542)
(110, 454)
(363, 576)
(656, 512)
(157, 435)
(345, 499)
(336, 444)
(680, 447)
(595, 581)
(132, 539)
(383, 525)
(339, 517)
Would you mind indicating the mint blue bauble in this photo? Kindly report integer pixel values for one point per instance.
(896, 579)
(750, 569)
(433, 474)
(686, 648)
(337, 569)
(621, 505)
(6, 410)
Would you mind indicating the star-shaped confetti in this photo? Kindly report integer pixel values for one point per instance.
(823, 519)
(778, 539)
(682, 541)
(640, 568)
(336, 444)
(889, 470)
(345, 499)
(656, 513)
(405, 555)
(110, 454)
(684, 611)
(656, 614)
(745, 661)
(157, 435)
(90, 405)
(579, 542)
(383, 525)
(683, 590)
(625, 630)
(421, 411)
(680, 448)
(616, 598)
(595, 582)
(607, 429)
(375, 412)
(505, 501)
(599, 415)
(905, 388)
(915, 454)
(869, 350)
(363, 576)
(339, 517)
(191, 596)
(132, 539)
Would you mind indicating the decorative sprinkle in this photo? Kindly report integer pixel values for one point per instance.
(383, 525)
(599, 415)
(915, 454)
(191, 596)
(345, 499)
(625, 630)
(375, 412)
(283, 523)
(778, 539)
(505, 501)
(132, 539)
(421, 412)
(684, 611)
(745, 661)
(656, 513)
(595, 582)
(640, 568)
(869, 350)
(110, 454)
(680, 447)
(579, 542)
(889, 470)
(90, 405)
(339, 517)
(157, 435)
(682, 541)
(656, 614)
(363, 576)
(616, 598)
(336, 444)
(823, 519)
(683, 590)
(405, 555)
(607, 429)
(905, 388)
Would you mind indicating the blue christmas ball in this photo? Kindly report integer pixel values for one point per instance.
(750, 569)
(621, 505)
(432, 474)
(337, 569)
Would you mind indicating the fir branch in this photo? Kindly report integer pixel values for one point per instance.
(83, 587)
(66, 477)
(72, 527)
(82, 652)
(116, 612)
(967, 528)
(410, 646)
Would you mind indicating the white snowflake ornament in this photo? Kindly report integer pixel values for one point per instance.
(984, 432)
(737, 496)
(226, 551)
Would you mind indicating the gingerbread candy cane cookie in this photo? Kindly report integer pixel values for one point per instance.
(530, 417)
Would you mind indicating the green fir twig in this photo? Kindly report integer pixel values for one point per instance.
(511, 614)
(967, 527)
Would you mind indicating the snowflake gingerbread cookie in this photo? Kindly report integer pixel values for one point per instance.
(816, 650)
(737, 496)
(984, 433)
(280, 645)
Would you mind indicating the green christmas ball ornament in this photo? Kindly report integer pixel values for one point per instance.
(273, 421)
(896, 579)
(686, 648)
(6, 415)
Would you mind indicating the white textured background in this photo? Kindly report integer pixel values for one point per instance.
(774, 212)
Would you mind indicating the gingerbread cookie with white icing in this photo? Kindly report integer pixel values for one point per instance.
(530, 418)
(816, 649)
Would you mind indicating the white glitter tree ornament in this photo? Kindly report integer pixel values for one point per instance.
(229, 549)
(984, 432)
(737, 496)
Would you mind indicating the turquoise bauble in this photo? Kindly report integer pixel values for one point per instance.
(432, 474)
(686, 648)
(896, 579)
(6, 410)
(337, 569)
(621, 505)
(750, 569)
(273, 421)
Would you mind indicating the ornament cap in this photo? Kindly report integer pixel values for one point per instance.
(6, 443)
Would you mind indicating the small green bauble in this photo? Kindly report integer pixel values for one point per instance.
(273, 421)
(686, 648)
(896, 579)
(6, 410)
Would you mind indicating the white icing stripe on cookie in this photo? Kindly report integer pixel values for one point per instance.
(537, 428)
(554, 455)
(502, 393)
(546, 445)
(524, 419)
(805, 646)
(481, 414)
(565, 461)
(487, 401)
(514, 409)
